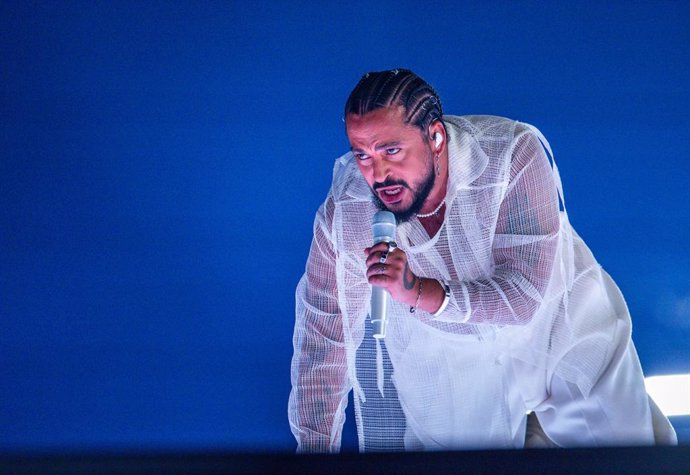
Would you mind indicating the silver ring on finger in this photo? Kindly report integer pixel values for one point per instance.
(392, 246)
(384, 256)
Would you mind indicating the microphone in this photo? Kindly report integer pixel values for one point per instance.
(383, 229)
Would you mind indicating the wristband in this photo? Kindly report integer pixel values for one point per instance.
(446, 299)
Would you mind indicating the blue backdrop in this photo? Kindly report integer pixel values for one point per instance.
(161, 164)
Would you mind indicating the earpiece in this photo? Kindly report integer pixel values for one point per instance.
(438, 139)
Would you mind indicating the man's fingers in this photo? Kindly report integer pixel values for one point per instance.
(378, 269)
(376, 258)
(378, 247)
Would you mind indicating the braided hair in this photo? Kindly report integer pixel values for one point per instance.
(396, 87)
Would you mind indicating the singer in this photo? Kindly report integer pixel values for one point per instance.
(501, 329)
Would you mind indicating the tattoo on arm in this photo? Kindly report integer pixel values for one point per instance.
(407, 282)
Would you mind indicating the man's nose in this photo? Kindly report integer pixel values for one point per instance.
(381, 170)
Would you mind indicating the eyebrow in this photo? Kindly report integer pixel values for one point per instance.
(379, 147)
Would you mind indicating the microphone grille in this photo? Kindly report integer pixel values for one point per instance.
(383, 226)
(384, 217)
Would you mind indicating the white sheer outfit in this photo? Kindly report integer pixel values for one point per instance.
(533, 323)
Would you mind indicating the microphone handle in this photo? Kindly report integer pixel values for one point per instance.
(379, 309)
(383, 230)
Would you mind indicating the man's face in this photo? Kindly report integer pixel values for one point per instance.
(394, 159)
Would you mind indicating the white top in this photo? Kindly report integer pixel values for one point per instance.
(533, 322)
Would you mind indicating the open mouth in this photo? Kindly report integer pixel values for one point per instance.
(390, 194)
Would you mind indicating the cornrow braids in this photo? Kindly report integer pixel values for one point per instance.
(396, 87)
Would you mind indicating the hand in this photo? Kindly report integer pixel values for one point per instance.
(394, 275)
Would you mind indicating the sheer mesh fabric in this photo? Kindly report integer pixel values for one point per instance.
(514, 265)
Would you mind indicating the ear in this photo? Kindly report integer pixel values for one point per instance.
(438, 139)
(437, 135)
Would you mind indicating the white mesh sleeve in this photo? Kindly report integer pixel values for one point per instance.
(524, 246)
(319, 365)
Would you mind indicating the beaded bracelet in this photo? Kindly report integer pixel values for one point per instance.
(419, 296)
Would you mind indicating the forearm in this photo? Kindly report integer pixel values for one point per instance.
(427, 295)
(502, 300)
(319, 380)
(317, 403)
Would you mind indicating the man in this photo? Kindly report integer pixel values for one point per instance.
(498, 309)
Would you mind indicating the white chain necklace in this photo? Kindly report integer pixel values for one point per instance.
(429, 215)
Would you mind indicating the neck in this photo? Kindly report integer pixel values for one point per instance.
(437, 195)
(433, 223)
(434, 212)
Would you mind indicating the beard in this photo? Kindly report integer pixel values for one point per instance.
(420, 192)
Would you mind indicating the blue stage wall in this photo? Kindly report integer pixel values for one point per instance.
(161, 164)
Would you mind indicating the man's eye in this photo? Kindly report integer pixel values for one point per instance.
(392, 151)
(361, 156)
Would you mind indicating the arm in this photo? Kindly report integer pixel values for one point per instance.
(319, 365)
(524, 250)
(524, 246)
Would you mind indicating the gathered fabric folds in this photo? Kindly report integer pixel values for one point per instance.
(534, 324)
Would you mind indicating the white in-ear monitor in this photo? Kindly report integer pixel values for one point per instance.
(438, 139)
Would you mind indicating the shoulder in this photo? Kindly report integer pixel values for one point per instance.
(495, 135)
(480, 124)
(348, 184)
(348, 191)
(488, 127)
(346, 213)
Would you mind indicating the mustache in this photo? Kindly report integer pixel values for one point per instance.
(390, 182)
